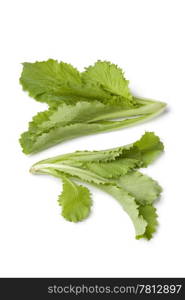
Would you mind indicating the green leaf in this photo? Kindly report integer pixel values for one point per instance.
(92, 101)
(66, 122)
(148, 212)
(129, 205)
(150, 147)
(32, 143)
(75, 201)
(146, 149)
(123, 158)
(110, 77)
(60, 169)
(142, 187)
(47, 77)
(113, 171)
(54, 82)
(144, 217)
(82, 112)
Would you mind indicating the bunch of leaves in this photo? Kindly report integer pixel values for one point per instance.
(80, 103)
(114, 171)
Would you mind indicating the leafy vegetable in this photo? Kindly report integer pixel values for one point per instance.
(109, 76)
(75, 201)
(148, 212)
(115, 172)
(80, 103)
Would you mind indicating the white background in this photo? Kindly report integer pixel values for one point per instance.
(146, 39)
